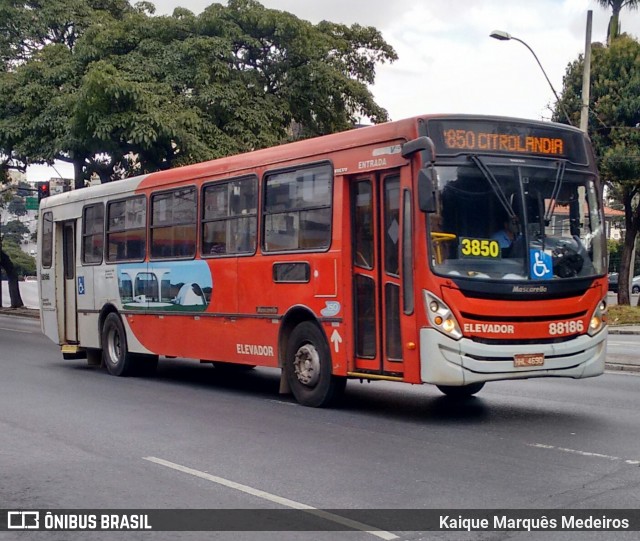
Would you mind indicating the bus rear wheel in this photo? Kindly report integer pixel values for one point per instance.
(463, 391)
(117, 358)
(308, 368)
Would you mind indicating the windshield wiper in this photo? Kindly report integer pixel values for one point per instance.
(495, 185)
(554, 194)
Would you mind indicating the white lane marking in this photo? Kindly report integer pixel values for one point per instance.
(274, 498)
(15, 330)
(582, 453)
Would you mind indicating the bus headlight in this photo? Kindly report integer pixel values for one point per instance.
(598, 318)
(440, 316)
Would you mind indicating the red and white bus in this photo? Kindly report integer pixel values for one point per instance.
(451, 250)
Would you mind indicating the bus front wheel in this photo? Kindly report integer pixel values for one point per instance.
(462, 391)
(308, 367)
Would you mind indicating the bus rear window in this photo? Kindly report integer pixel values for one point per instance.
(126, 229)
(298, 209)
(47, 239)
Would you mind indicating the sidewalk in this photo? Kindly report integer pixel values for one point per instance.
(624, 329)
(628, 364)
(22, 312)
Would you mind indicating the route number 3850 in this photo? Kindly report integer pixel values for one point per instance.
(479, 248)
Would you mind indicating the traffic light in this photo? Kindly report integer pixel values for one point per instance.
(43, 190)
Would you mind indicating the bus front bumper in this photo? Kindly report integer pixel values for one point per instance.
(445, 361)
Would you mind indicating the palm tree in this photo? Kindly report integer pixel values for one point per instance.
(614, 23)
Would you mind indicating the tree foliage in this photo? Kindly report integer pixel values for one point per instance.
(24, 264)
(17, 206)
(13, 231)
(614, 128)
(118, 91)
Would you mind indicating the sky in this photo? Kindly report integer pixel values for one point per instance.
(447, 61)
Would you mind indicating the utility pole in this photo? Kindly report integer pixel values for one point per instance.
(0, 260)
(586, 77)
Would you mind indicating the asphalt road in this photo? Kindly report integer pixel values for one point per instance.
(74, 437)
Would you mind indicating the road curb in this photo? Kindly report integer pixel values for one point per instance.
(617, 367)
(20, 312)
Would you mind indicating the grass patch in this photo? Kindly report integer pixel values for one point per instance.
(624, 315)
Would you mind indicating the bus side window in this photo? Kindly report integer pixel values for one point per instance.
(363, 224)
(126, 229)
(92, 234)
(173, 223)
(297, 209)
(229, 217)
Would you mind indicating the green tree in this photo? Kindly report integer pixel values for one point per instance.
(17, 206)
(39, 77)
(118, 91)
(23, 263)
(613, 127)
(13, 231)
(113, 90)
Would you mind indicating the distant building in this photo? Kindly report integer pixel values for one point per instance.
(60, 185)
(614, 222)
(16, 177)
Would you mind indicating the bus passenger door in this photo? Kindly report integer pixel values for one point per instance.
(69, 280)
(376, 234)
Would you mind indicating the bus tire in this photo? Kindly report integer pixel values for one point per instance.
(117, 359)
(463, 391)
(308, 367)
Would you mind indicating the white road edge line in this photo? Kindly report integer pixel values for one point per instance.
(582, 453)
(274, 498)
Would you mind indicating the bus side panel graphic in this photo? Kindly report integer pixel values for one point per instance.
(182, 286)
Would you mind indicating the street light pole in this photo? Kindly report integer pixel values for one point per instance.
(505, 36)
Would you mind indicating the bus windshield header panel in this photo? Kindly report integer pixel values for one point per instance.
(475, 136)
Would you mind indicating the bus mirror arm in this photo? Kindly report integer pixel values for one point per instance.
(426, 184)
(424, 145)
(426, 190)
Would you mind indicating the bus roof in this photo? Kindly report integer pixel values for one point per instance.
(404, 129)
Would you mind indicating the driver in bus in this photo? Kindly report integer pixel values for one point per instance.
(508, 234)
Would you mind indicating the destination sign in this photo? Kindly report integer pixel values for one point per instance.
(456, 136)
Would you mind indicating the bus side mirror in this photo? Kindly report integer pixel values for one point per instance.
(426, 190)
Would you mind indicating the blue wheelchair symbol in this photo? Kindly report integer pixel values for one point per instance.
(80, 285)
(540, 265)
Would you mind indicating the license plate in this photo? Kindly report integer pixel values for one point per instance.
(528, 359)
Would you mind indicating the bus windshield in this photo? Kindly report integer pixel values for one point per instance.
(511, 221)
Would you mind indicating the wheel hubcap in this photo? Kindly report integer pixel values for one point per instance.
(114, 346)
(307, 365)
